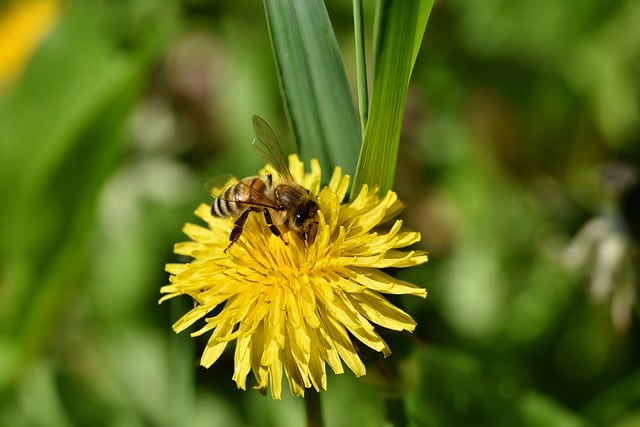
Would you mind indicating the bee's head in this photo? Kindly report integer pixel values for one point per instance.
(306, 211)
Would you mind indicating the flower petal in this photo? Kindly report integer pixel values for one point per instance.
(382, 312)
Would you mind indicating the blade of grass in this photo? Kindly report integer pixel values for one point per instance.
(400, 26)
(313, 82)
(361, 64)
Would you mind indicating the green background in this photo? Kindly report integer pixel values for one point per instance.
(518, 162)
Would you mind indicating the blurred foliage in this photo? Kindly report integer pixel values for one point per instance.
(519, 164)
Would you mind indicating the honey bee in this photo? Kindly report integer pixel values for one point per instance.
(285, 204)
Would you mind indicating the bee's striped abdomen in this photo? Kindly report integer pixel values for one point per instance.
(238, 197)
(222, 207)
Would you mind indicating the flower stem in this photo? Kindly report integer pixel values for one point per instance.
(396, 414)
(361, 65)
(313, 408)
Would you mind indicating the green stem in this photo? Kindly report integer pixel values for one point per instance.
(361, 65)
(396, 414)
(313, 408)
(181, 375)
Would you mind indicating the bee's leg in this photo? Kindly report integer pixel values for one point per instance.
(272, 227)
(309, 235)
(238, 225)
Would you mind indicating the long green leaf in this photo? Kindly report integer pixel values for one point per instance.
(361, 64)
(313, 82)
(400, 26)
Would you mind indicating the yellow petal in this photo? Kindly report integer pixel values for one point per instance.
(275, 374)
(214, 348)
(242, 361)
(344, 346)
(382, 312)
(377, 280)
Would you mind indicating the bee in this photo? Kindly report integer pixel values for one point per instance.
(285, 204)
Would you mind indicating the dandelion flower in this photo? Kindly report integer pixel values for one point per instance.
(295, 308)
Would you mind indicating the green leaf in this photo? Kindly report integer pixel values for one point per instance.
(361, 64)
(313, 82)
(400, 26)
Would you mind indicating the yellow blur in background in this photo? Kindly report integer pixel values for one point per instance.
(23, 25)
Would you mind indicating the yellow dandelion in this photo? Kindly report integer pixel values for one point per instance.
(296, 308)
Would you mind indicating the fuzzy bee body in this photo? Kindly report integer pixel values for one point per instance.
(240, 196)
(285, 204)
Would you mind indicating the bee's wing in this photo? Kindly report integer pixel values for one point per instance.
(216, 185)
(269, 148)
